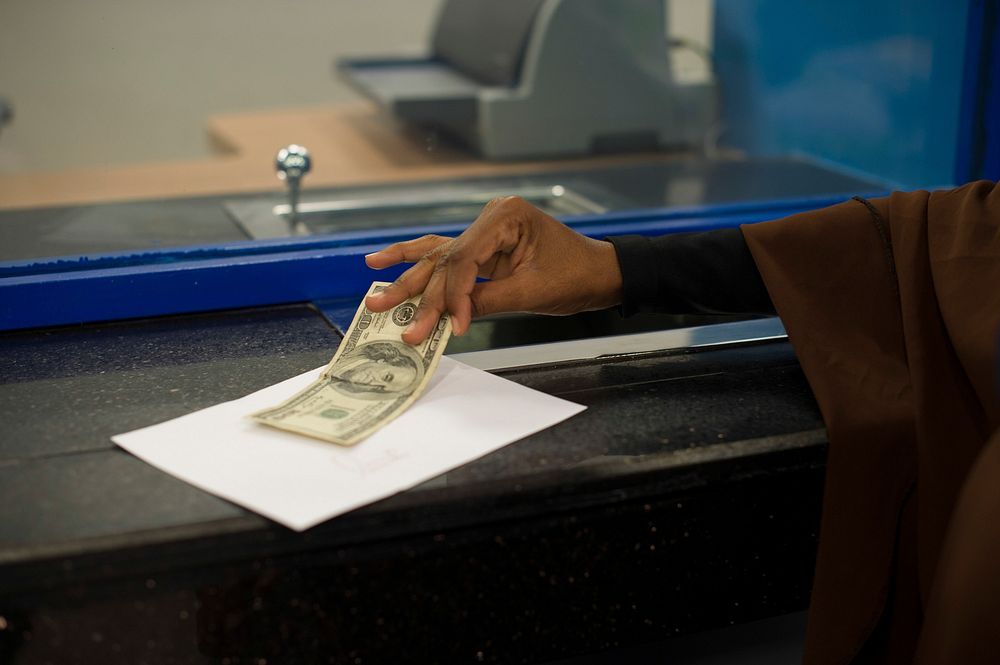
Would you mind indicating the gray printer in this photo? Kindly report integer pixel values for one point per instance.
(535, 78)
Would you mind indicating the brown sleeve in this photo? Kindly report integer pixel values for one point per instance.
(830, 274)
(893, 307)
(957, 409)
(964, 255)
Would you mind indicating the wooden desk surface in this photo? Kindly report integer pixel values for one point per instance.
(351, 144)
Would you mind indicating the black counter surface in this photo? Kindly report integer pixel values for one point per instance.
(685, 497)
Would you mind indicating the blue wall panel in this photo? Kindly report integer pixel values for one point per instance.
(873, 86)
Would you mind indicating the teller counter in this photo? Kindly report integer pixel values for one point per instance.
(685, 498)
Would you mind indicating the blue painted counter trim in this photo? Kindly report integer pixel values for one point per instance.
(978, 145)
(991, 102)
(61, 291)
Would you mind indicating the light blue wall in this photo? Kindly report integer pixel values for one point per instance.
(874, 86)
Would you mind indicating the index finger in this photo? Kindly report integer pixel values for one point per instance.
(409, 251)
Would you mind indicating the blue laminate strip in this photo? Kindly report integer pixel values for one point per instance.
(61, 291)
(651, 220)
(196, 286)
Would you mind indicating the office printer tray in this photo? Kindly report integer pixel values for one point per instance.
(417, 90)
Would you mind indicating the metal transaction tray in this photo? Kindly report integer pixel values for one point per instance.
(398, 207)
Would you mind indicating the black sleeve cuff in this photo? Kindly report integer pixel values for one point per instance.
(685, 273)
(640, 281)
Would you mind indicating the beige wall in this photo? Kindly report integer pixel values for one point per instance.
(108, 82)
(99, 82)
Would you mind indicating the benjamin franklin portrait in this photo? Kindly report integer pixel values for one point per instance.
(378, 370)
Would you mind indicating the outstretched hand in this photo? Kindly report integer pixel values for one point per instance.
(533, 264)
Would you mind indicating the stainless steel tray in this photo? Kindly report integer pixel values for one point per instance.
(403, 206)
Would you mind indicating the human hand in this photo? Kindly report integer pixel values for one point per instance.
(533, 263)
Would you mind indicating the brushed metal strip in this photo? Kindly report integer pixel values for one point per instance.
(575, 202)
(721, 334)
(265, 219)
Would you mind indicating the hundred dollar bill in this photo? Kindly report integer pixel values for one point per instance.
(373, 377)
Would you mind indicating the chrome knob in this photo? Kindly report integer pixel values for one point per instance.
(292, 163)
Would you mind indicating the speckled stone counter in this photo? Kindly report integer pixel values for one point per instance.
(686, 497)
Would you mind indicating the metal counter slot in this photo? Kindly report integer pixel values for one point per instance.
(722, 334)
(263, 219)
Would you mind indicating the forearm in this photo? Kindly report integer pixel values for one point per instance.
(710, 272)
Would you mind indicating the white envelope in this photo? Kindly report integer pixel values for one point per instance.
(300, 482)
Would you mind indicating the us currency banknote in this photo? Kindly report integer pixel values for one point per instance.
(373, 377)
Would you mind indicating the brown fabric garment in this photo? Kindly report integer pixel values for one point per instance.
(963, 612)
(893, 307)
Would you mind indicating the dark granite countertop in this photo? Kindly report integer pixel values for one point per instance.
(692, 440)
(66, 391)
